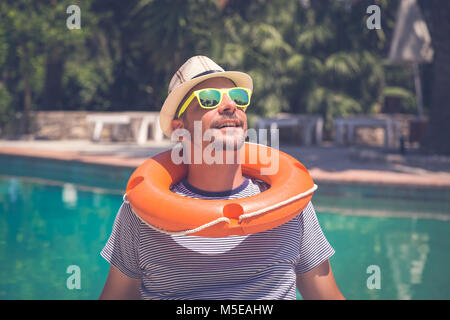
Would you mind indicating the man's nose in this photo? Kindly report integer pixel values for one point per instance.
(227, 105)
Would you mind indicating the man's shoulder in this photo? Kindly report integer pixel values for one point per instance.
(127, 216)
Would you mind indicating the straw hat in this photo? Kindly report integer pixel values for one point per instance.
(191, 73)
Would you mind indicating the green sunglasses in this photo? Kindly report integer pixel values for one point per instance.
(211, 98)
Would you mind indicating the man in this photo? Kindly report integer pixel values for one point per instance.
(271, 264)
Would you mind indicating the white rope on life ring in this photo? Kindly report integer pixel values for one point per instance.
(225, 219)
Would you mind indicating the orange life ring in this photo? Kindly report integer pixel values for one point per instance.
(291, 188)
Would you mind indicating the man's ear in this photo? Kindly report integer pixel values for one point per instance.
(177, 124)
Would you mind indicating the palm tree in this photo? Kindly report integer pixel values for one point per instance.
(307, 56)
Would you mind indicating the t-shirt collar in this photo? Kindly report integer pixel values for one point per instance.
(225, 193)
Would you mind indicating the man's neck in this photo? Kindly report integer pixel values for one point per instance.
(216, 176)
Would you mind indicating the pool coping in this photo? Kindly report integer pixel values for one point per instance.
(74, 156)
(350, 176)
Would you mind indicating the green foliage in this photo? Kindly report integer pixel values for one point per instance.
(406, 97)
(33, 37)
(309, 57)
(6, 112)
(304, 56)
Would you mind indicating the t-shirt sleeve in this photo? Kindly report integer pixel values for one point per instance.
(314, 247)
(122, 247)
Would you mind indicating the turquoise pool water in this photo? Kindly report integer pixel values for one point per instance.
(55, 214)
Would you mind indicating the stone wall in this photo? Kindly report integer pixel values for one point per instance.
(53, 125)
(65, 125)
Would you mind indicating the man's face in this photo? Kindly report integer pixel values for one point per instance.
(212, 119)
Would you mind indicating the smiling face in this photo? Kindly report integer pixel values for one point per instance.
(227, 123)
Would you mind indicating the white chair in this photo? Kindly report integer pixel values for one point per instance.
(101, 119)
(142, 132)
(311, 125)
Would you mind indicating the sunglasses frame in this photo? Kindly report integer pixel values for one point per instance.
(196, 93)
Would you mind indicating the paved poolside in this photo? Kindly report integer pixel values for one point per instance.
(325, 163)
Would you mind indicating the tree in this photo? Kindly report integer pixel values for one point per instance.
(304, 56)
(438, 132)
(308, 56)
(35, 42)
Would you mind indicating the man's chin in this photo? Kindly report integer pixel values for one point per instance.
(231, 139)
(228, 143)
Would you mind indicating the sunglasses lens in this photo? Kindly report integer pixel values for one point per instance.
(209, 98)
(239, 96)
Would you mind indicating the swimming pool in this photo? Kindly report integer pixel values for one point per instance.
(390, 242)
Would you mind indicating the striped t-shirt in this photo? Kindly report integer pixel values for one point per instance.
(256, 266)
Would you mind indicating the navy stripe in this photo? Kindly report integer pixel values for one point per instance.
(205, 73)
(256, 266)
(204, 193)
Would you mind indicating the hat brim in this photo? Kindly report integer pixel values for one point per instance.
(172, 101)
